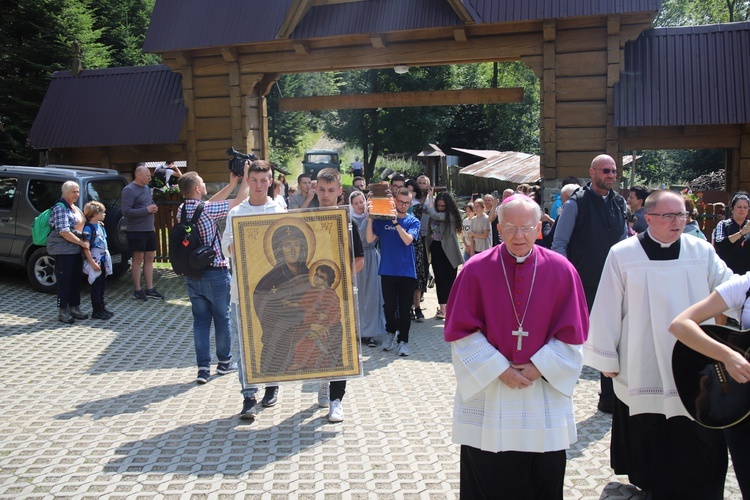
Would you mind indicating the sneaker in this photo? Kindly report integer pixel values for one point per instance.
(203, 376)
(371, 342)
(271, 397)
(336, 412)
(389, 342)
(418, 316)
(324, 394)
(249, 411)
(224, 368)
(153, 294)
(76, 312)
(138, 294)
(403, 349)
(107, 311)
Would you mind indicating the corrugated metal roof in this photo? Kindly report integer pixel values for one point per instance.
(698, 75)
(499, 11)
(432, 150)
(376, 16)
(482, 153)
(192, 24)
(110, 107)
(509, 166)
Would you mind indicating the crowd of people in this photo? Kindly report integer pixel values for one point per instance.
(601, 280)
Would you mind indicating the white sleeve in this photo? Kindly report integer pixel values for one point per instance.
(560, 365)
(477, 364)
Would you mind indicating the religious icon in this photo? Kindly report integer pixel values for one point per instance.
(296, 314)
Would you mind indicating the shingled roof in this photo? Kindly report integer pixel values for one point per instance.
(697, 75)
(192, 24)
(110, 107)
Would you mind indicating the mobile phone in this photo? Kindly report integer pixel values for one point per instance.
(495, 194)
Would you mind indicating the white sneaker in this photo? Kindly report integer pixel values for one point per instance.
(403, 349)
(323, 394)
(390, 341)
(336, 412)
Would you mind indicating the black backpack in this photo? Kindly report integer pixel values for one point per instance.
(188, 255)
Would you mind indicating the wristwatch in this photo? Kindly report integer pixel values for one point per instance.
(395, 222)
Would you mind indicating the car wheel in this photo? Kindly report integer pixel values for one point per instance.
(41, 271)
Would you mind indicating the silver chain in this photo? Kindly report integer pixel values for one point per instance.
(510, 292)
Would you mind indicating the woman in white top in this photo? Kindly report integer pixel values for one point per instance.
(732, 295)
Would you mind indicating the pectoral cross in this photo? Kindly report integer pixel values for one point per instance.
(520, 333)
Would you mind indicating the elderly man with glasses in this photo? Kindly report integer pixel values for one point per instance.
(517, 355)
(646, 282)
(592, 220)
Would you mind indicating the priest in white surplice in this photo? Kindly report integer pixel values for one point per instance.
(517, 355)
(647, 281)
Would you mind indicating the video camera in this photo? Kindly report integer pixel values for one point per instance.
(237, 161)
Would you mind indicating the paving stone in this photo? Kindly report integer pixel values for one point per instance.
(111, 410)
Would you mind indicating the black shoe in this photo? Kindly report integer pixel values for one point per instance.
(271, 397)
(249, 411)
(431, 282)
(371, 342)
(76, 312)
(107, 311)
(411, 315)
(418, 316)
(203, 376)
(138, 294)
(151, 293)
(100, 314)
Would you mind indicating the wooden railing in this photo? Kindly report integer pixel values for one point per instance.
(164, 221)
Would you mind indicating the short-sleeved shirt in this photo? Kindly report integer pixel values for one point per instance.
(296, 201)
(734, 293)
(207, 227)
(397, 259)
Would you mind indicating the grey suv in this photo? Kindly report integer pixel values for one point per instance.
(27, 191)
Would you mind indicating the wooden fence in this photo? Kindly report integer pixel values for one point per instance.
(164, 221)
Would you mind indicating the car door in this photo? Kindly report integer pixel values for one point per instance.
(8, 207)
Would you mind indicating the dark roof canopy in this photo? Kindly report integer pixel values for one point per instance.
(697, 75)
(110, 107)
(192, 24)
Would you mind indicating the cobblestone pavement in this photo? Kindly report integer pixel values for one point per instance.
(110, 409)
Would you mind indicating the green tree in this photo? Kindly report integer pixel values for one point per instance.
(123, 25)
(693, 12)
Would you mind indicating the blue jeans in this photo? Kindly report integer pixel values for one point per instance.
(248, 391)
(209, 296)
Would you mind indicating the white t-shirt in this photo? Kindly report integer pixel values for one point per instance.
(734, 293)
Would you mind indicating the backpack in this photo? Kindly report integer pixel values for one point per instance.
(41, 227)
(188, 255)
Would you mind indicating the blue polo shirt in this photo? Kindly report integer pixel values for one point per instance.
(396, 258)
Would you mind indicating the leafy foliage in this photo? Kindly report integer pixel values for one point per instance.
(692, 12)
(678, 166)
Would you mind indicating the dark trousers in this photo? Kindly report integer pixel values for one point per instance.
(738, 442)
(398, 293)
(338, 389)
(97, 291)
(69, 274)
(670, 458)
(511, 474)
(445, 273)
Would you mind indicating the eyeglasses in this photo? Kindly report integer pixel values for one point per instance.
(407, 202)
(607, 171)
(525, 230)
(671, 217)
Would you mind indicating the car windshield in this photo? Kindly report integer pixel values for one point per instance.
(322, 158)
(106, 192)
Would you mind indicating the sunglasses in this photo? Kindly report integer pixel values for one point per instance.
(607, 171)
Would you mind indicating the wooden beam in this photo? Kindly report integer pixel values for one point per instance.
(294, 15)
(267, 82)
(403, 99)
(459, 34)
(229, 53)
(301, 47)
(461, 11)
(423, 53)
(378, 41)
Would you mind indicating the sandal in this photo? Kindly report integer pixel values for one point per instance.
(439, 314)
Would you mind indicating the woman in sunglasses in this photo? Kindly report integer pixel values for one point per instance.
(731, 241)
